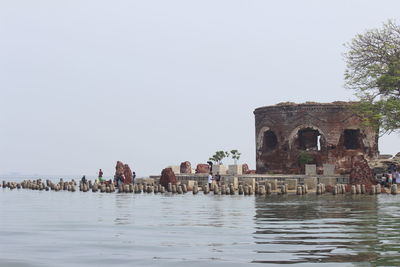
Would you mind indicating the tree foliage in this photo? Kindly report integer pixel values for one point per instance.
(373, 71)
(235, 155)
(219, 156)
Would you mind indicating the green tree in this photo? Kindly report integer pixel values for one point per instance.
(219, 156)
(373, 71)
(235, 155)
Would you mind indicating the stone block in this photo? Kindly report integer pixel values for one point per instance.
(249, 181)
(329, 169)
(311, 182)
(231, 180)
(235, 169)
(175, 169)
(328, 180)
(274, 184)
(190, 184)
(221, 169)
(311, 169)
(292, 183)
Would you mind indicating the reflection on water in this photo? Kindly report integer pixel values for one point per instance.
(93, 229)
(328, 229)
(123, 209)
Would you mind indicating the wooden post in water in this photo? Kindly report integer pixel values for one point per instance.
(195, 188)
(251, 190)
(283, 189)
(227, 190)
(103, 188)
(269, 189)
(179, 190)
(378, 189)
(149, 189)
(262, 190)
(206, 189)
(240, 189)
(353, 190)
(393, 189)
(246, 190)
(335, 190)
(304, 188)
(231, 189)
(216, 189)
(363, 190)
(299, 190)
(358, 189)
(162, 189)
(223, 189)
(319, 189)
(173, 189)
(373, 190)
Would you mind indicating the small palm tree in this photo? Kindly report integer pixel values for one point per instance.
(235, 155)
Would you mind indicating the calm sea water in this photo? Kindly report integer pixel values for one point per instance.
(39, 228)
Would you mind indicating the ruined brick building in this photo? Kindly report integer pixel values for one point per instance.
(327, 132)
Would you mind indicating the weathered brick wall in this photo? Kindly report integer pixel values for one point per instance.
(330, 120)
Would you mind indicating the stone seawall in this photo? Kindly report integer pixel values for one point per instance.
(278, 179)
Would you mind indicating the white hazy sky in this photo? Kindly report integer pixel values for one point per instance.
(154, 83)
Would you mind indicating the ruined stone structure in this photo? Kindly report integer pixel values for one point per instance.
(167, 176)
(185, 167)
(322, 132)
(122, 169)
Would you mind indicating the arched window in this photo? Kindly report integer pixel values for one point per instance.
(309, 139)
(270, 141)
(352, 139)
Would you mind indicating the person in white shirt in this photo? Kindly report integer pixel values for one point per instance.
(209, 180)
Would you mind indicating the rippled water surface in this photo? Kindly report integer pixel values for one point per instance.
(39, 228)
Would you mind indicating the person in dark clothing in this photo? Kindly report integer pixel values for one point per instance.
(218, 178)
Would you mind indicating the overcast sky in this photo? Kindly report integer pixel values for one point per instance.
(154, 83)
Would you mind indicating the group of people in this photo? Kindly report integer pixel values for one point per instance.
(391, 177)
(216, 178)
(118, 180)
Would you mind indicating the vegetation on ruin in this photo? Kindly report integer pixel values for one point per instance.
(219, 156)
(304, 158)
(373, 71)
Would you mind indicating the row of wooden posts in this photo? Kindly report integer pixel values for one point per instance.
(223, 189)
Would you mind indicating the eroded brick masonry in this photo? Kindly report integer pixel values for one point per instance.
(328, 132)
